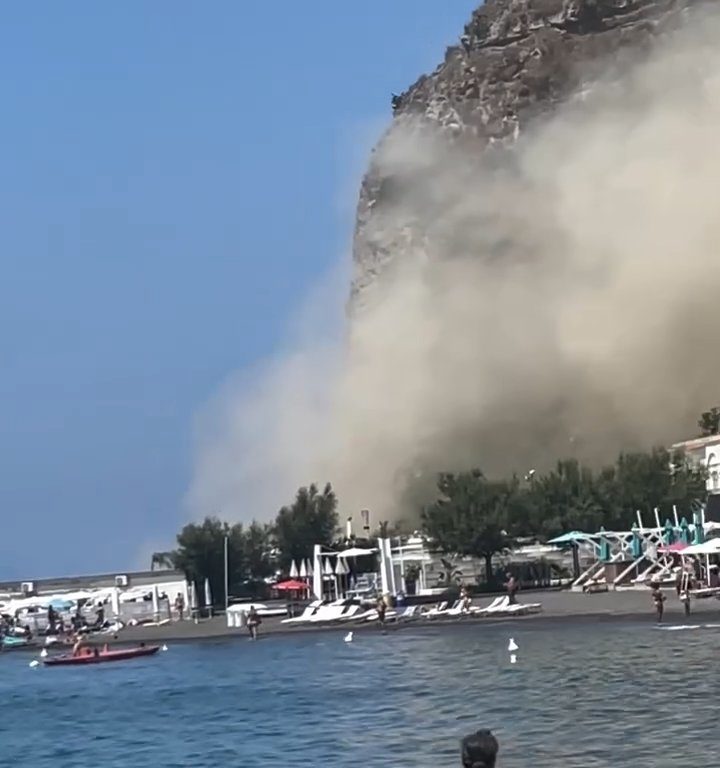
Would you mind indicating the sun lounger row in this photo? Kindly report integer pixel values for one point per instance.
(342, 611)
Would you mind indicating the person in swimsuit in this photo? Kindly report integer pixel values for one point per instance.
(658, 600)
(253, 622)
(381, 609)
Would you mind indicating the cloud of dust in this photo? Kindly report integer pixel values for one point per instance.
(560, 302)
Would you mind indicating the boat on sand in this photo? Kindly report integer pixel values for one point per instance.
(97, 656)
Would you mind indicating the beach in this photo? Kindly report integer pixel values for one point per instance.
(557, 606)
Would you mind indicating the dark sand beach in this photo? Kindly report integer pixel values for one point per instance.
(558, 606)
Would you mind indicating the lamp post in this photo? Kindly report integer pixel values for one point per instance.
(227, 583)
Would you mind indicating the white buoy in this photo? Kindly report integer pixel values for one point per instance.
(34, 663)
(349, 637)
(43, 653)
(512, 645)
(513, 658)
(164, 648)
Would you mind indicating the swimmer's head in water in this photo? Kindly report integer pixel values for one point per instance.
(479, 750)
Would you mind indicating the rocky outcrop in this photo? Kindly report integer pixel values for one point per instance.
(516, 60)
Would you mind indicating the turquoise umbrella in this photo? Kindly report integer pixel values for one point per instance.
(637, 543)
(604, 547)
(573, 537)
(669, 534)
(684, 531)
(698, 533)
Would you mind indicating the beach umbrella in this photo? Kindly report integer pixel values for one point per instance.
(684, 531)
(155, 602)
(208, 595)
(669, 533)
(636, 544)
(293, 570)
(193, 597)
(698, 532)
(115, 601)
(327, 568)
(291, 585)
(357, 552)
(569, 538)
(303, 569)
(310, 571)
(186, 596)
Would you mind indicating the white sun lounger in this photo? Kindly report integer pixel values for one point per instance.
(309, 611)
(497, 605)
(440, 608)
(503, 607)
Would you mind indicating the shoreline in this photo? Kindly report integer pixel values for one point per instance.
(558, 608)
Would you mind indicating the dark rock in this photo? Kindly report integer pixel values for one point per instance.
(516, 61)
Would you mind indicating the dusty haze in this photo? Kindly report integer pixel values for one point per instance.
(559, 301)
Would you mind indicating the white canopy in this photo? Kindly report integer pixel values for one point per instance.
(709, 547)
(356, 552)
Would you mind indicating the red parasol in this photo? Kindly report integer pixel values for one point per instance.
(290, 586)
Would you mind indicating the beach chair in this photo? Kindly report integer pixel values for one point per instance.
(498, 604)
(309, 611)
(410, 613)
(439, 608)
(454, 610)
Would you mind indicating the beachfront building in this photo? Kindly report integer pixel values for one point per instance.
(705, 452)
(407, 565)
(126, 597)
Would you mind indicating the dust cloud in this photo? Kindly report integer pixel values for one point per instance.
(560, 300)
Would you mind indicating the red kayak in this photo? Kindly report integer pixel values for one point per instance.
(96, 656)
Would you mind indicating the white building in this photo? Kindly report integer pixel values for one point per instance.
(704, 451)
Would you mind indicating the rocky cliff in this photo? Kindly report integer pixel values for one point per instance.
(516, 61)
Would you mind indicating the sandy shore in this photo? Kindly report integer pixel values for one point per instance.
(558, 606)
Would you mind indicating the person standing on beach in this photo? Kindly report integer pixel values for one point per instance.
(511, 586)
(658, 600)
(180, 605)
(381, 609)
(253, 622)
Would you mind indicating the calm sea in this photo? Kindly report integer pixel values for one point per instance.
(579, 696)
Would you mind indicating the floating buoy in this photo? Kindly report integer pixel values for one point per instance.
(512, 645)
(43, 653)
(164, 648)
(349, 637)
(34, 663)
(513, 658)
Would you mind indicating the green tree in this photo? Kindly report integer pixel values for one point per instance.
(709, 422)
(257, 551)
(311, 519)
(471, 516)
(566, 498)
(200, 554)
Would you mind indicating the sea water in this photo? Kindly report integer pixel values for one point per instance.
(581, 695)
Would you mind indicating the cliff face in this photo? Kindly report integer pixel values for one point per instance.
(516, 61)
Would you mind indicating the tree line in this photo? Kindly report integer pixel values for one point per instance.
(255, 551)
(470, 515)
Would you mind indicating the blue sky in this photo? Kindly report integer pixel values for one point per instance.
(174, 176)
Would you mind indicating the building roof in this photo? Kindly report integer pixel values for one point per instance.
(94, 581)
(697, 443)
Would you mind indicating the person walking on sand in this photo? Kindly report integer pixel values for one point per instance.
(511, 586)
(253, 622)
(658, 600)
(180, 605)
(381, 609)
